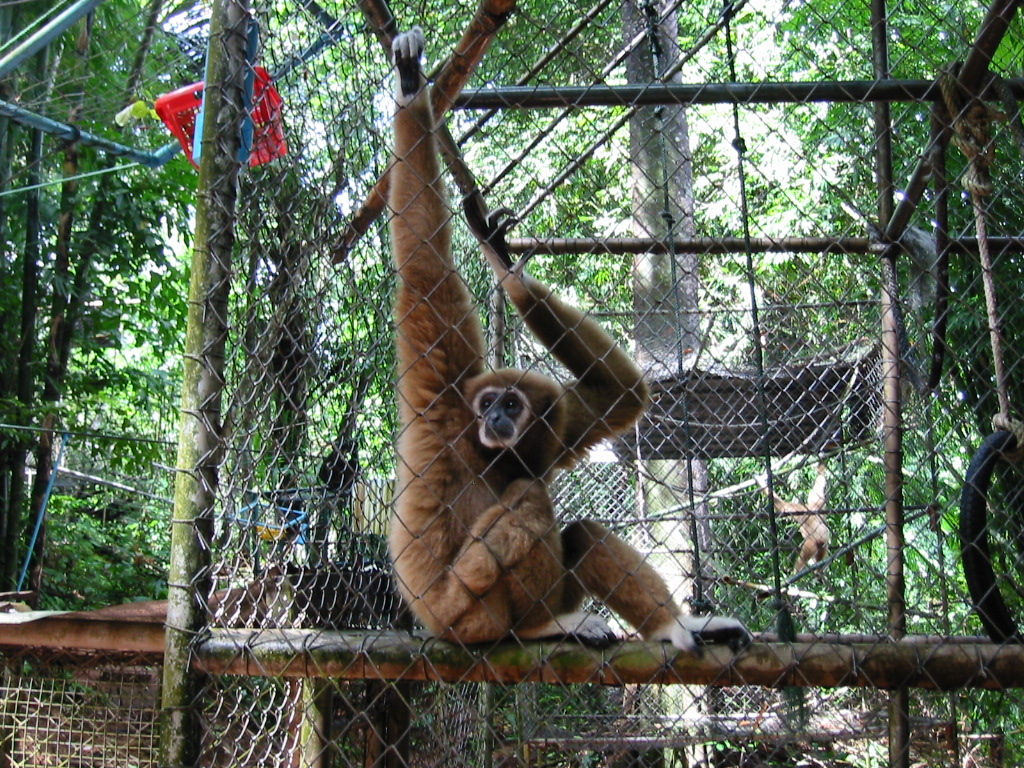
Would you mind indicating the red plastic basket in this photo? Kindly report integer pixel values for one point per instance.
(178, 110)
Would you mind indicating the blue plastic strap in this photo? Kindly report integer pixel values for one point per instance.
(64, 438)
(246, 131)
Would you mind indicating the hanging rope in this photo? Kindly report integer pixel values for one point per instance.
(971, 121)
(784, 620)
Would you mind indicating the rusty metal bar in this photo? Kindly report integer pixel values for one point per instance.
(727, 245)
(971, 78)
(653, 94)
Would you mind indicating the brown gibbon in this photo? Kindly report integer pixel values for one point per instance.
(813, 529)
(474, 541)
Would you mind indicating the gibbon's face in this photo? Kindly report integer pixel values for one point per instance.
(503, 414)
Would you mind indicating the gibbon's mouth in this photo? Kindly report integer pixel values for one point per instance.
(498, 433)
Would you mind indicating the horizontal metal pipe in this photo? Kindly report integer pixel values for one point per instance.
(45, 35)
(971, 78)
(853, 91)
(723, 245)
(711, 245)
(72, 133)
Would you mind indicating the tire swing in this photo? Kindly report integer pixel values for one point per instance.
(986, 599)
(1007, 441)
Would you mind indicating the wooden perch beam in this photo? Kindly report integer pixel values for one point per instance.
(490, 16)
(944, 664)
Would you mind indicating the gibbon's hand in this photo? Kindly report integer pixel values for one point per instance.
(491, 228)
(496, 227)
(407, 48)
(511, 275)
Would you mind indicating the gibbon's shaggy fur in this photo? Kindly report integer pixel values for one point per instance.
(475, 545)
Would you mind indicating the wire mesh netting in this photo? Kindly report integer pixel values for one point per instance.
(713, 186)
(66, 710)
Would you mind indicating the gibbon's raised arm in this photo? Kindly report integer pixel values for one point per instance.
(440, 342)
(609, 392)
(814, 530)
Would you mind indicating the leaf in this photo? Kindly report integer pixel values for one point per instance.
(137, 110)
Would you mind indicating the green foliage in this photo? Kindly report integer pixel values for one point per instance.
(101, 555)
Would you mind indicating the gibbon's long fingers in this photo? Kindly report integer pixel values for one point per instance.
(408, 48)
(587, 628)
(501, 220)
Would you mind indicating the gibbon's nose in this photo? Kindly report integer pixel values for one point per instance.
(500, 425)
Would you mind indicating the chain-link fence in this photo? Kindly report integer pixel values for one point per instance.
(782, 211)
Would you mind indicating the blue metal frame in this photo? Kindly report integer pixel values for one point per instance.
(246, 130)
(151, 159)
(35, 43)
(46, 35)
(73, 133)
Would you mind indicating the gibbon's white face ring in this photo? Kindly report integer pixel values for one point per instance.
(503, 413)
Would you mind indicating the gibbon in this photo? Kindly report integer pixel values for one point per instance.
(813, 528)
(474, 542)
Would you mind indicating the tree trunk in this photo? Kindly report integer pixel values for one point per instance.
(24, 384)
(665, 290)
(64, 309)
(665, 285)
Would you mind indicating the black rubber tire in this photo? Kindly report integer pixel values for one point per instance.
(986, 599)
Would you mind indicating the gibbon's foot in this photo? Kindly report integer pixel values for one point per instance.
(585, 628)
(499, 222)
(407, 48)
(689, 633)
(721, 629)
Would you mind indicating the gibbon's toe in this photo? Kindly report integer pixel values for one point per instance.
(583, 627)
(676, 633)
(593, 631)
(683, 639)
(689, 633)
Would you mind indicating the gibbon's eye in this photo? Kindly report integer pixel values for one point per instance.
(512, 405)
(486, 402)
